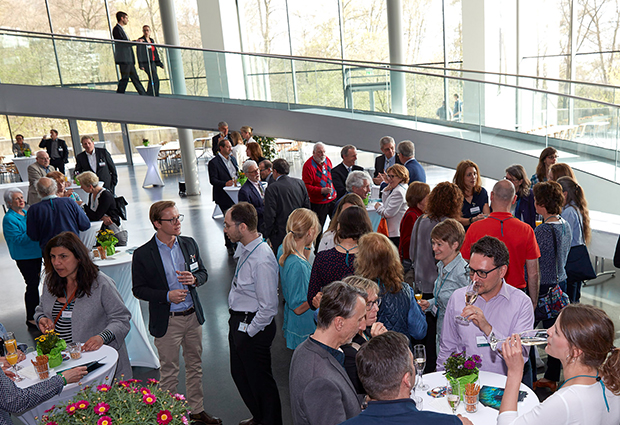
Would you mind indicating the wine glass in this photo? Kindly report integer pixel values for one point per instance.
(471, 295)
(529, 338)
(417, 291)
(11, 346)
(419, 359)
(453, 394)
(11, 356)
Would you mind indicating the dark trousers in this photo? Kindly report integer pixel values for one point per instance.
(573, 290)
(322, 211)
(429, 341)
(229, 244)
(128, 71)
(554, 366)
(59, 164)
(31, 271)
(250, 367)
(153, 85)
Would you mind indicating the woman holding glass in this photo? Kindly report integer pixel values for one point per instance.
(80, 303)
(394, 205)
(446, 238)
(583, 340)
(524, 207)
(294, 260)
(547, 158)
(61, 182)
(475, 197)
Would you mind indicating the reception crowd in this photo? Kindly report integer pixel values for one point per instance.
(386, 275)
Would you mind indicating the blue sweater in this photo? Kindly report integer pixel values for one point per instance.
(400, 412)
(53, 216)
(21, 247)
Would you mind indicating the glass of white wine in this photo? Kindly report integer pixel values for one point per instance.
(453, 394)
(471, 295)
(417, 291)
(528, 338)
(419, 359)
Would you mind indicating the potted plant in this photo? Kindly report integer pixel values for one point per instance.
(459, 367)
(241, 178)
(27, 153)
(106, 239)
(145, 142)
(122, 402)
(50, 345)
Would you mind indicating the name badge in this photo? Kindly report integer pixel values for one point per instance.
(102, 164)
(474, 210)
(481, 341)
(193, 267)
(60, 149)
(243, 327)
(67, 314)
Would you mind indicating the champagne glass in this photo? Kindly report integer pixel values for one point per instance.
(419, 358)
(11, 357)
(10, 345)
(453, 394)
(417, 291)
(471, 295)
(528, 338)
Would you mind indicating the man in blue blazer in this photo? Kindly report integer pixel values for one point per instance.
(223, 171)
(406, 154)
(253, 191)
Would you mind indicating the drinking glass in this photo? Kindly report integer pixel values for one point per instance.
(10, 345)
(11, 357)
(453, 396)
(419, 359)
(417, 291)
(528, 338)
(471, 295)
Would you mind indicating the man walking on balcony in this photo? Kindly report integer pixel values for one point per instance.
(124, 57)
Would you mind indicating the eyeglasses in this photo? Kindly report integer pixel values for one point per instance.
(174, 220)
(253, 171)
(553, 156)
(391, 176)
(482, 274)
(370, 304)
(228, 226)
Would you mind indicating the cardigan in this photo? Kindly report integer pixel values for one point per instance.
(21, 247)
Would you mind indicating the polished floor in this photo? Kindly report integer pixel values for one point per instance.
(221, 396)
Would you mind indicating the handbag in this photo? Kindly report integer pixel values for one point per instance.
(121, 206)
(578, 265)
(550, 304)
(383, 227)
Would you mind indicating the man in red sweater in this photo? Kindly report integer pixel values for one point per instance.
(317, 175)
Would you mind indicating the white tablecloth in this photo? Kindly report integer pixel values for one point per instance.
(605, 231)
(149, 154)
(89, 237)
(23, 186)
(233, 192)
(118, 268)
(22, 164)
(109, 358)
(485, 415)
(374, 216)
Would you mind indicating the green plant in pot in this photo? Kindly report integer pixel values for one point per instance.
(145, 142)
(459, 367)
(51, 345)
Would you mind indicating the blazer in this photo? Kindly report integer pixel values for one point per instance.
(215, 140)
(103, 309)
(35, 172)
(394, 208)
(106, 170)
(145, 57)
(281, 198)
(339, 178)
(123, 52)
(248, 193)
(321, 391)
(380, 164)
(150, 284)
(218, 176)
(61, 148)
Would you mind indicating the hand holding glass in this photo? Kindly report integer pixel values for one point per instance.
(528, 338)
(471, 295)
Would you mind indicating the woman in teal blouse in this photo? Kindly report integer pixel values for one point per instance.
(293, 256)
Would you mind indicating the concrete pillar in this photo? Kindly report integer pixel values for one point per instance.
(398, 86)
(177, 80)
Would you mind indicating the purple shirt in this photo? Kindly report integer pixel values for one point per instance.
(509, 312)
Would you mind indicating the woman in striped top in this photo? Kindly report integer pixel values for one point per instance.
(81, 303)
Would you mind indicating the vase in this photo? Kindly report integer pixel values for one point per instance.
(242, 180)
(463, 381)
(110, 249)
(55, 355)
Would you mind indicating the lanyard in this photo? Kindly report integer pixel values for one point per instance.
(598, 379)
(246, 259)
(438, 290)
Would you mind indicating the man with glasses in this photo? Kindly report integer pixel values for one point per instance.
(500, 310)
(35, 171)
(166, 272)
(252, 190)
(517, 235)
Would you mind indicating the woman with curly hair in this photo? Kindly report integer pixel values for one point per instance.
(524, 209)
(475, 197)
(377, 260)
(445, 201)
(547, 158)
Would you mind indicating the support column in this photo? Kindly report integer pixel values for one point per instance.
(177, 80)
(75, 137)
(398, 86)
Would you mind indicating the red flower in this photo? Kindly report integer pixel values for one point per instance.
(50, 409)
(51, 423)
(123, 383)
(133, 380)
(149, 398)
(102, 408)
(82, 404)
(103, 388)
(106, 420)
(71, 409)
(145, 390)
(152, 381)
(164, 417)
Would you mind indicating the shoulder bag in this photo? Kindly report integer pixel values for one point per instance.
(578, 265)
(554, 300)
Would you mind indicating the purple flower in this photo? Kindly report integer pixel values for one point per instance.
(477, 359)
(469, 364)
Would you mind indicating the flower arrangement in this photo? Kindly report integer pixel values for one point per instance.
(126, 402)
(27, 153)
(107, 239)
(51, 345)
(463, 369)
(366, 200)
(145, 142)
(241, 178)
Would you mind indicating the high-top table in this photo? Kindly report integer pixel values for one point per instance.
(22, 163)
(89, 237)
(149, 154)
(118, 268)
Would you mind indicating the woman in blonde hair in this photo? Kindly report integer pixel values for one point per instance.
(394, 204)
(377, 259)
(246, 133)
(293, 256)
(239, 150)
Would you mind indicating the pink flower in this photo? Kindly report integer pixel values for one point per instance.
(106, 420)
(133, 380)
(149, 398)
(164, 417)
(71, 409)
(103, 388)
(102, 408)
(152, 381)
(469, 364)
(145, 390)
(178, 396)
(82, 404)
(52, 423)
(123, 384)
(184, 420)
(50, 409)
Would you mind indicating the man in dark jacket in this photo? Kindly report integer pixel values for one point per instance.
(124, 57)
(56, 149)
(148, 61)
(97, 160)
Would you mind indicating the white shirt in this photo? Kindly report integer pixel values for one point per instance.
(92, 161)
(259, 187)
(229, 165)
(255, 284)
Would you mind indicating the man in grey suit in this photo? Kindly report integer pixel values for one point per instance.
(35, 172)
(321, 391)
(282, 197)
